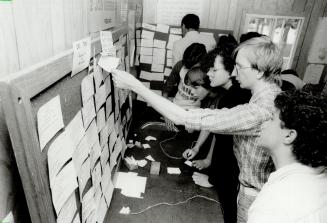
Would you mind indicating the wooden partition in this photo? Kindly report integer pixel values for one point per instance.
(24, 93)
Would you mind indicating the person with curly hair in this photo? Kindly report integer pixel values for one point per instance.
(296, 140)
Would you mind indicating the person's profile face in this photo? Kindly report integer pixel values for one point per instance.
(200, 92)
(218, 76)
(245, 74)
(272, 133)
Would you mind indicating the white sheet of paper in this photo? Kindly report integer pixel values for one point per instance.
(83, 176)
(49, 120)
(131, 184)
(104, 134)
(75, 129)
(92, 134)
(98, 77)
(149, 26)
(107, 83)
(147, 34)
(138, 34)
(159, 52)
(63, 186)
(87, 88)
(101, 119)
(146, 146)
(9, 218)
(82, 54)
(149, 157)
(106, 41)
(158, 68)
(100, 97)
(151, 76)
(159, 60)
(60, 151)
(189, 163)
(76, 219)
(173, 170)
(68, 210)
(113, 159)
(81, 153)
(95, 154)
(169, 62)
(96, 175)
(108, 63)
(167, 71)
(147, 51)
(104, 155)
(177, 31)
(159, 44)
(108, 106)
(112, 140)
(146, 59)
(108, 192)
(88, 112)
(125, 210)
(146, 42)
(169, 54)
(88, 204)
(162, 28)
(97, 194)
(101, 210)
(110, 123)
(106, 176)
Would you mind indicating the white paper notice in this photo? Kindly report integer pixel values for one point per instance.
(147, 42)
(146, 59)
(108, 63)
(63, 186)
(87, 87)
(82, 54)
(162, 28)
(158, 68)
(60, 151)
(106, 41)
(88, 112)
(49, 120)
(151, 76)
(177, 31)
(147, 34)
(75, 129)
(159, 44)
(146, 51)
(83, 175)
(173, 170)
(68, 211)
(149, 26)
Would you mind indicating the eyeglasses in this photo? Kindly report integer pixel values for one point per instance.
(240, 68)
(215, 70)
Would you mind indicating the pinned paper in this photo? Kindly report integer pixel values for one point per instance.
(82, 54)
(149, 138)
(125, 210)
(149, 157)
(108, 63)
(173, 170)
(146, 146)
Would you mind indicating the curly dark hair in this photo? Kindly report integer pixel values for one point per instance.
(307, 114)
(193, 54)
(223, 50)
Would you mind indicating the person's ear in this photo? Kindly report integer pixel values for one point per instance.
(290, 136)
(259, 75)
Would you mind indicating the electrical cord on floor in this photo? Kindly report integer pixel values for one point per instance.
(174, 204)
(164, 151)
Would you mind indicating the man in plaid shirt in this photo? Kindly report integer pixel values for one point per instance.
(258, 65)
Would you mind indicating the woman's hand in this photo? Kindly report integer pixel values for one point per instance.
(124, 80)
(190, 153)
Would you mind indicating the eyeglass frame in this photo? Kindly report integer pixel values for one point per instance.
(241, 68)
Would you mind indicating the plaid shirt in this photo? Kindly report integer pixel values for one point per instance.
(244, 122)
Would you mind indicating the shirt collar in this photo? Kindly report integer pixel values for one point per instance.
(191, 33)
(291, 169)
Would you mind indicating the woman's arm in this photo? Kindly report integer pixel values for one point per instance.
(165, 107)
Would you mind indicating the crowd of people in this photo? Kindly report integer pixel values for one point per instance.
(268, 153)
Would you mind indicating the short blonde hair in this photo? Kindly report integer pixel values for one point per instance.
(265, 56)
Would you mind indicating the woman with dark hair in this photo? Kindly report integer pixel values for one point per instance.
(223, 168)
(296, 141)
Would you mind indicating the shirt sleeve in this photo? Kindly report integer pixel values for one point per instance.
(173, 79)
(240, 120)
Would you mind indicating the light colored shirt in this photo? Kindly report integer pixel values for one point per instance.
(244, 122)
(294, 193)
(184, 96)
(190, 37)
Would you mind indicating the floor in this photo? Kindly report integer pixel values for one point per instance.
(164, 187)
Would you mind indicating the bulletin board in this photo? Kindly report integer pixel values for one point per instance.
(149, 74)
(24, 93)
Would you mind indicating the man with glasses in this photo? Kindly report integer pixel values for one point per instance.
(258, 66)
